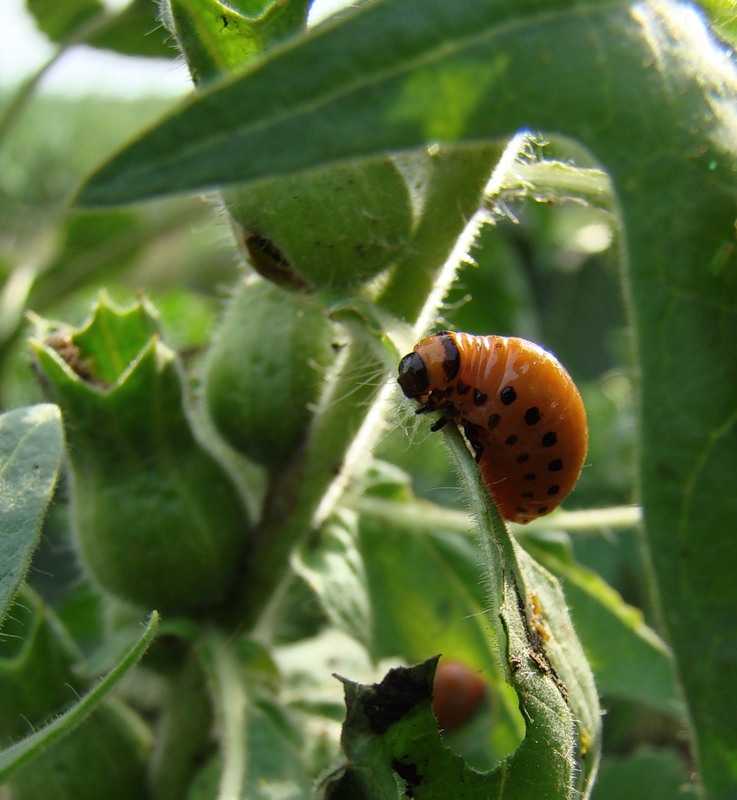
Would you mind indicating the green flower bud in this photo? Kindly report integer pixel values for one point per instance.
(265, 370)
(158, 520)
(330, 229)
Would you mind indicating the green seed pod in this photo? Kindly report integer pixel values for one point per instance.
(158, 521)
(332, 229)
(265, 370)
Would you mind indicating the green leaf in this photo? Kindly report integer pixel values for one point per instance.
(391, 738)
(432, 600)
(721, 13)
(433, 593)
(59, 20)
(37, 667)
(628, 658)
(31, 448)
(442, 80)
(389, 735)
(547, 666)
(134, 31)
(334, 569)
(258, 747)
(14, 757)
(106, 756)
(648, 775)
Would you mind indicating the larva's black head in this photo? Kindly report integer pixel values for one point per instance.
(413, 379)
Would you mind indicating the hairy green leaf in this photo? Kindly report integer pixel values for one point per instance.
(389, 733)
(31, 448)
(259, 755)
(18, 754)
(546, 663)
(628, 658)
(334, 569)
(432, 601)
(133, 31)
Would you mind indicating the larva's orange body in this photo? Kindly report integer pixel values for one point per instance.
(517, 406)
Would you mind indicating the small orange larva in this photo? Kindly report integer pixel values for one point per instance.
(518, 408)
(458, 692)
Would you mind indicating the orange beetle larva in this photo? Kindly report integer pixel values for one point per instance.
(518, 408)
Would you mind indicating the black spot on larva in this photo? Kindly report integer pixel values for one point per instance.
(451, 356)
(549, 439)
(439, 424)
(556, 465)
(532, 415)
(530, 476)
(553, 490)
(494, 420)
(471, 433)
(462, 388)
(528, 495)
(520, 510)
(508, 395)
(479, 398)
(510, 440)
(523, 458)
(542, 510)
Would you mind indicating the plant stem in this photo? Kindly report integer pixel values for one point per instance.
(422, 514)
(229, 699)
(351, 418)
